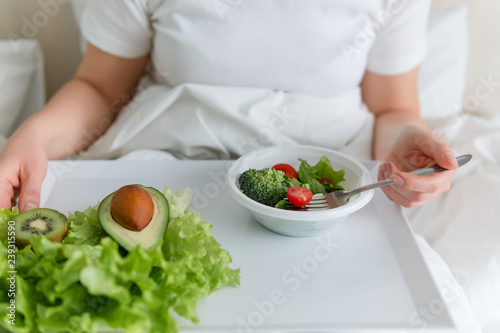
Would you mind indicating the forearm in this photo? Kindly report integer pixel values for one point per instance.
(388, 126)
(74, 118)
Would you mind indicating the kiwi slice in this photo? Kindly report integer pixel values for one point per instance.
(40, 221)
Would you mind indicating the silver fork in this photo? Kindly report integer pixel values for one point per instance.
(339, 198)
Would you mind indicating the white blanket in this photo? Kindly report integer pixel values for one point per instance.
(463, 225)
(198, 121)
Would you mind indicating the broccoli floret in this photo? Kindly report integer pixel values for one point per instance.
(267, 186)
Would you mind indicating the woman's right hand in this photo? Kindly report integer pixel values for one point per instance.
(23, 164)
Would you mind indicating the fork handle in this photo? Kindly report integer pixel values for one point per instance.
(461, 160)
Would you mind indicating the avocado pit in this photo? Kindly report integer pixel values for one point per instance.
(132, 207)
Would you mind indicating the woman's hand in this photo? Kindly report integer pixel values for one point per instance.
(402, 141)
(416, 148)
(23, 165)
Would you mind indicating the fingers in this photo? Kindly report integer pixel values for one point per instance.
(31, 184)
(9, 185)
(417, 148)
(411, 190)
(22, 171)
(7, 195)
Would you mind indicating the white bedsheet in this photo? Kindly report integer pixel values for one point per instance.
(463, 225)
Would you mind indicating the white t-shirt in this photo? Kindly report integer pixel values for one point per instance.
(237, 75)
(316, 47)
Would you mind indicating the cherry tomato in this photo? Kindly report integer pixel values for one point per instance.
(327, 184)
(324, 181)
(287, 169)
(299, 196)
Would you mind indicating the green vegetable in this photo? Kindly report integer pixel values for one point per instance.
(5, 216)
(86, 284)
(267, 186)
(323, 169)
(84, 227)
(147, 237)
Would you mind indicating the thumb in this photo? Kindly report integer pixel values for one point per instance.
(31, 185)
(435, 147)
(445, 158)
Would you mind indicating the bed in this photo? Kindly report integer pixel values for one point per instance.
(459, 232)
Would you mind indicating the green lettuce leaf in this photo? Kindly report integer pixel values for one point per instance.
(178, 200)
(89, 284)
(5, 216)
(84, 227)
(323, 169)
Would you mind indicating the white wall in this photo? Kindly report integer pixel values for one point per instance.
(484, 58)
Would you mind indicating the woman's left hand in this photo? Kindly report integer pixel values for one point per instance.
(417, 148)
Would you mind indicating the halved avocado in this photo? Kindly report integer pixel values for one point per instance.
(147, 237)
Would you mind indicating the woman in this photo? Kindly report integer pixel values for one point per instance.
(332, 66)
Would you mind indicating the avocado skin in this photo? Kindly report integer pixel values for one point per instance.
(148, 237)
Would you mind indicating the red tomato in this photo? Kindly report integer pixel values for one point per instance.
(324, 181)
(287, 169)
(299, 196)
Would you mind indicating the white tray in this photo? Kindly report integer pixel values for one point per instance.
(366, 276)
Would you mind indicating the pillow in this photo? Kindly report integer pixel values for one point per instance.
(443, 73)
(21, 82)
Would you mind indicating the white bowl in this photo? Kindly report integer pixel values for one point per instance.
(300, 223)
